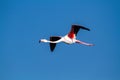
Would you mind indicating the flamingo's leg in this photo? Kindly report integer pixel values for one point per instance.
(84, 43)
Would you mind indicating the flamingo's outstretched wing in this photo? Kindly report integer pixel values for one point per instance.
(52, 45)
(75, 29)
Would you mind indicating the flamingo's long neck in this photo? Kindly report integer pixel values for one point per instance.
(51, 41)
(55, 41)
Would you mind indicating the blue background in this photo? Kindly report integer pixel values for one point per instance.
(24, 22)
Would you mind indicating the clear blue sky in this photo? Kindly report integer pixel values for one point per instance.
(24, 22)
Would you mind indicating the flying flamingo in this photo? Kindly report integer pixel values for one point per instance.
(70, 38)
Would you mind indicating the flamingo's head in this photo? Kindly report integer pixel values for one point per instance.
(43, 40)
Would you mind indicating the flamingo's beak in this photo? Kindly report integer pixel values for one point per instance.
(39, 41)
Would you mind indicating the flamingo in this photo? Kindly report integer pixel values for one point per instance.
(70, 38)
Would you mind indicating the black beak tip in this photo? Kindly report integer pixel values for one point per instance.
(39, 41)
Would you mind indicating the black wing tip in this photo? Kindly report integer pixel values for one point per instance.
(53, 45)
(79, 26)
(54, 38)
(51, 50)
(88, 29)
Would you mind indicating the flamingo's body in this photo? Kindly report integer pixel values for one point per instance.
(70, 38)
